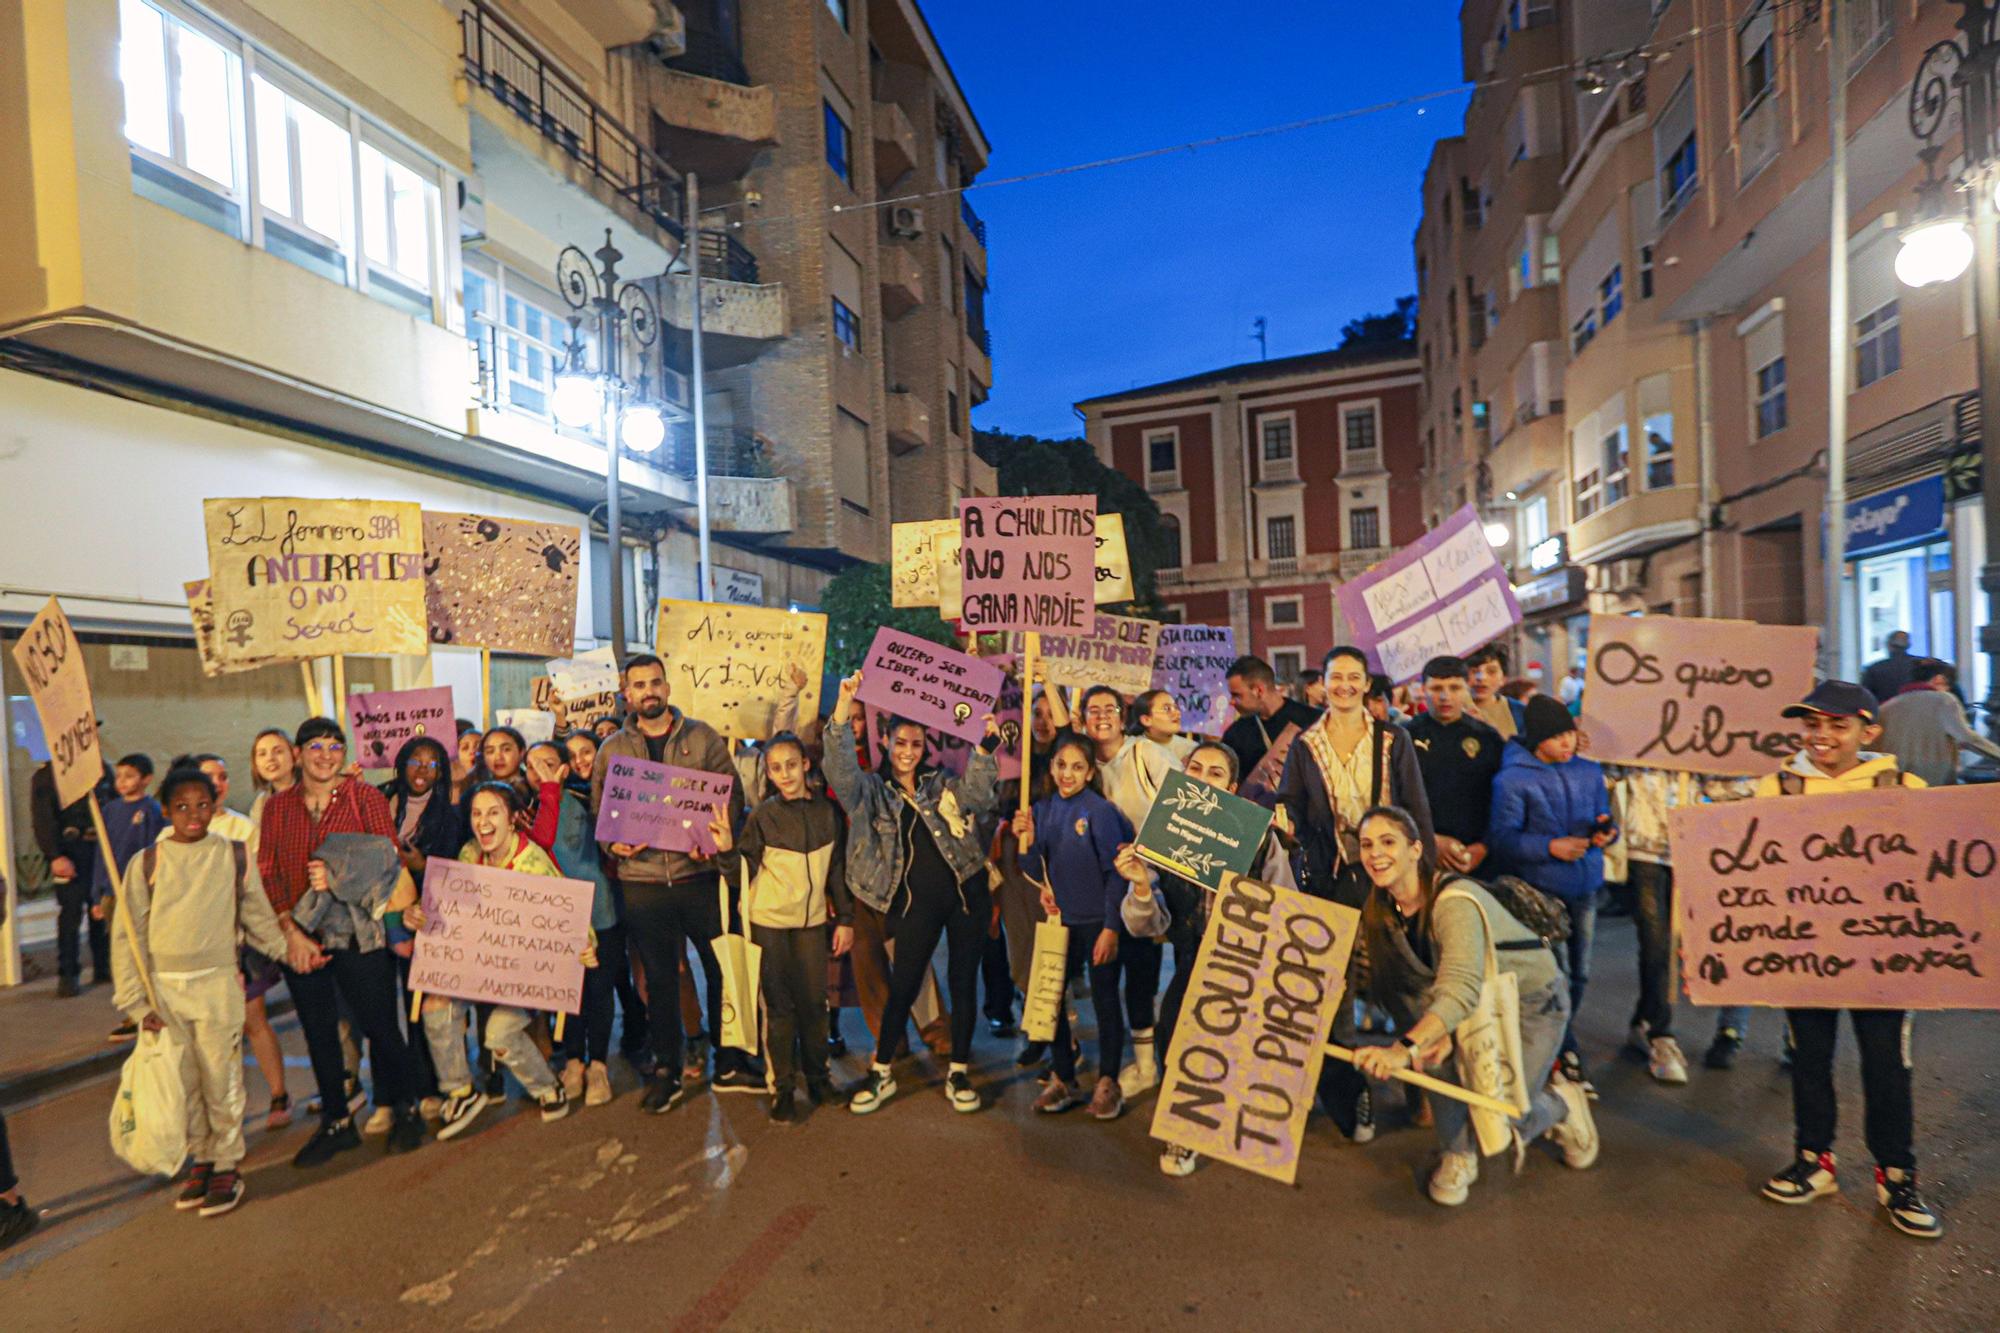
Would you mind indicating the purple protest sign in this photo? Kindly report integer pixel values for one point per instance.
(1446, 593)
(1007, 716)
(660, 806)
(1028, 563)
(929, 683)
(498, 936)
(385, 719)
(1192, 664)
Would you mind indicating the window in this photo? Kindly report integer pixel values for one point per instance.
(1278, 446)
(1869, 25)
(303, 180)
(520, 335)
(839, 145)
(838, 8)
(1170, 542)
(1758, 68)
(1284, 611)
(398, 218)
(1163, 459)
(1364, 528)
(1771, 398)
(1280, 538)
(1617, 466)
(1645, 273)
(1360, 437)
(183, 115)
(1611, 294)
(1588, 494)
(1534, 522)
(975, 309)
(853, 463)
(846, 325)
(1878, 345)
(1287, 664)
(1584, 331)
(1674, 158)
(1659, 451)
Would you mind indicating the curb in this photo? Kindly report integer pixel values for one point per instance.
(81, 1070)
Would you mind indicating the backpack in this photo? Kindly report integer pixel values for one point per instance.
(1794, 784)
(1543, 914)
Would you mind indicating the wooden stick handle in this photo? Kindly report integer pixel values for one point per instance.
(1031, 643)
(339, 710)
(560, 1017)
(1440, 1086)
(416, 1006)
(486, 687)
(311, 683)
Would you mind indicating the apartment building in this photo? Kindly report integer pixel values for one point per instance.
(263, 247)
(1277, 481)
(1655, 434)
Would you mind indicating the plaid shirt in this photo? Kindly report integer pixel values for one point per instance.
(290, 837)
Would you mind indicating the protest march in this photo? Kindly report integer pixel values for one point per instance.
(1156, 877)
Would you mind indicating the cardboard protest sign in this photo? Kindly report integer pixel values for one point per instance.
(582, 689)
(1028, 563)
(941, 748)
(1200, 832)
(660, 806)
(501, 584)
(1113, 564)
(201, 612)
(1701, 696)
(534, 724)
(293, 578)
(51, 660)
(1117, 651)
(1878, 899)
(1243, 1069)
(1009, 716)
(502, 937)
(1447, 593)
(915, 563)
(730, 665)
(381, 722)
(1192, 664)
(926, 682)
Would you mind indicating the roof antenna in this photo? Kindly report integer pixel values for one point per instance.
(1258, 328)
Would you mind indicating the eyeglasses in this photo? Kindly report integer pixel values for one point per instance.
(421, 766)
(1102, 712)
(326, 747)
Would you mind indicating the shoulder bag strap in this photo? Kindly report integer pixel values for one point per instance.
(150, 864)
(1492, 957)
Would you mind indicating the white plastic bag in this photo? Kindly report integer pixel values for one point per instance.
(149, 1119)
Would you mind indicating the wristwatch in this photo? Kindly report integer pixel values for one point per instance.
(1409, 1043)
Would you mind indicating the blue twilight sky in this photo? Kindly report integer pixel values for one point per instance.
(1108, 279)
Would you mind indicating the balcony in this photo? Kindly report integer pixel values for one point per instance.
(1169, 578)
(1528, 454)
(909, 421)
(1358, 560)
(979, 353)
(708, 117)
(895, 143)
(725, 259)
(504, 62)
(975, 227)
(902, 281)
(740, 317)
(1282, 567)
(1635, 525)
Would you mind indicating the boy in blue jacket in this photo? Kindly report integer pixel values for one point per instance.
(1550, 824)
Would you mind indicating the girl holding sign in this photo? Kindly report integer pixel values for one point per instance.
(1425, 946)
(494, 808)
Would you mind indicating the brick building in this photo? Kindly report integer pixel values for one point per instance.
(1277, 480)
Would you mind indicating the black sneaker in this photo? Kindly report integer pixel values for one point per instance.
(16, 1221)
(1810, 1176)
(67, 989)
(225, 1191)
(1897, 1192)
(1722, 1051)
(1570, 1066)
(783, 1112)
(737, 1078)
(822, 1092)
(1001, 1027)
(1032, 1054)
(406, 1132)
(124, 1032)
(663, 1094)
(195, 1188)
(331, 1138)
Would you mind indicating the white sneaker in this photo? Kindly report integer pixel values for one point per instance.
(1179, 1161)
(597, 1084)
(1576, 1135)
(872, 1094)
(958, 1090)
(1665, 1061)
(1143, 1074)
(379, 1120)
(460, 1109)
(572, 1080)
(1452, 1181)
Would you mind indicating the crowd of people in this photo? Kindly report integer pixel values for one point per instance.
(1462, 819)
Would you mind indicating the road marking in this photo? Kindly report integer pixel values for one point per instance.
(747, 1270)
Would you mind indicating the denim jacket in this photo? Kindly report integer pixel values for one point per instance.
(950, 807)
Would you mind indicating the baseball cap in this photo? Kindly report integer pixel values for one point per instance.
(1836, 698)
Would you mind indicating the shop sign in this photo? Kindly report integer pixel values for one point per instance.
(1906, 516)
(1546, 593)
(1549, 553)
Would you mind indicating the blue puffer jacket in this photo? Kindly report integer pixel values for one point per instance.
(1534, 802)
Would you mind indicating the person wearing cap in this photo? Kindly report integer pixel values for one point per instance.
(1550, 823)
(1841, 721)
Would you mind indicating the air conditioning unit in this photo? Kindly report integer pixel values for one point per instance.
(906, 220)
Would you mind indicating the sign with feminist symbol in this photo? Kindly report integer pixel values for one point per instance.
(930, 684)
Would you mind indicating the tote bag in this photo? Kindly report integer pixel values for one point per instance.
(1488, 1043)
(1047, 979)
(742, 973)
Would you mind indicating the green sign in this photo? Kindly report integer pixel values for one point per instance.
(1201, 832)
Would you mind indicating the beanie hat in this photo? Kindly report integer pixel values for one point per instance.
(1546, 717)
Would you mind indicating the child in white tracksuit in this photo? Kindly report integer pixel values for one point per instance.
(189, 899)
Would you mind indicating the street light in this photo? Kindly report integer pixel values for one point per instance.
(1497, 535)
(624, 412)
(1939, 246)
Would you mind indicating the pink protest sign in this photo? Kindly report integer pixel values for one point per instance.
(1028, 563)
(660, 806)
(384, 720)
(1876, 899)
(926, 682)
(502, 937)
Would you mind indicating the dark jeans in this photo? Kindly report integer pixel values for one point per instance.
(8, 1180)
(1104, 1001)
(367, 983)
(1582, 934)
(1653, 911)
(589, 1036)
(793, 975)
(1889, 1121)
(420, 1049)
(1340, 1083)
(1170, 1003)
(633, 1036)
(997, 978)
(914, 928)
(72, 911)
(662, 918)
(1140, 960)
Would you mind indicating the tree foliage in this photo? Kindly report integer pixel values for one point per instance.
(856, 602)
(1383, 331)
(1030, 465)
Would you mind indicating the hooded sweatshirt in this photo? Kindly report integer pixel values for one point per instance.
(1535, 803)
(796, 856)
(1874, 770)
(1076, 843)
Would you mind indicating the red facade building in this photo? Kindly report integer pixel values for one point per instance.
(1279, 479)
